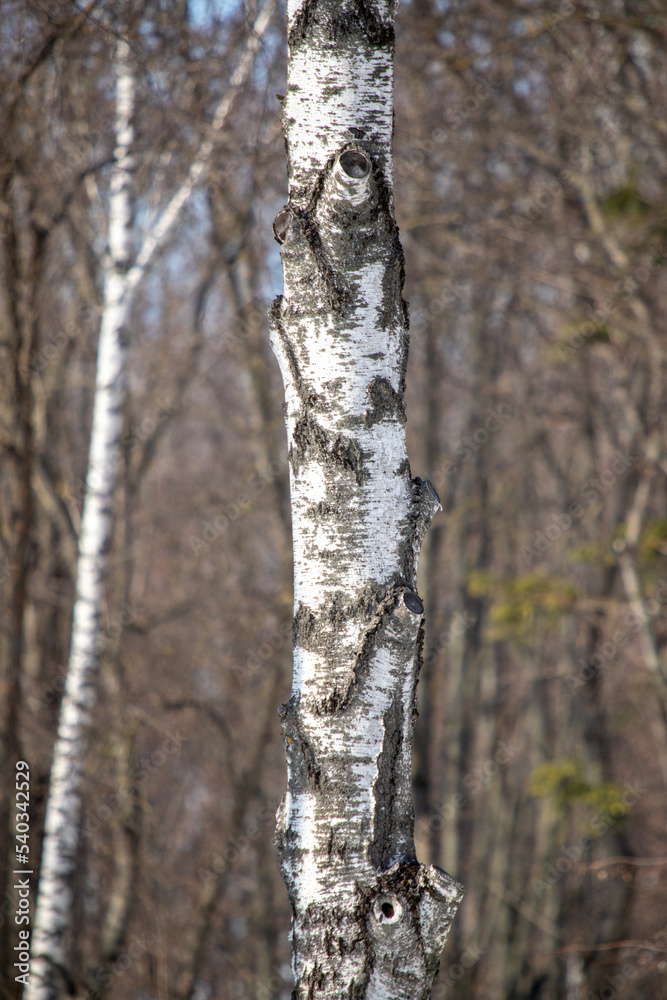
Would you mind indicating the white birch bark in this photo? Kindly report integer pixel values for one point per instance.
(368, 920)
(61, 829)
(48, 966)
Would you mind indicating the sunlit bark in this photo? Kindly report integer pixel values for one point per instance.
(368, 919)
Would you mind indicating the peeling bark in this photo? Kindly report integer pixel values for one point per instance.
(368, 919)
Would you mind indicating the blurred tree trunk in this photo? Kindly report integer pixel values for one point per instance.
(368, 919)
(61, 830)
(49, 966)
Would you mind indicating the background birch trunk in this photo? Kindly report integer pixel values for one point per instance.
(368, 919)
(123, 277)
(63, 814)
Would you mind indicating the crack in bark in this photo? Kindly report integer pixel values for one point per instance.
(313, 770)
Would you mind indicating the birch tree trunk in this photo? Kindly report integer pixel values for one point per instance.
(48, 971)
(368, 920)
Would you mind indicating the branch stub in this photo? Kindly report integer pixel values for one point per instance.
(355, 163)
(387, 910)
(281, 224)
(413, 603)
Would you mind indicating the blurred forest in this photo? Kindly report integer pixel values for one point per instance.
(530, 170)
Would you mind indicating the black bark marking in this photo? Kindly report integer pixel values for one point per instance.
(313, 769)
(419, 662)
(425, 503)
(395, 306)
(309, 436)
(336, 293)
(304, 627)
(302, 254)
(364, 19)
(275, 322)
(385, 402)
(358, 21)
(391, 819)
(339, 700)
(335, 846)
(304, 23)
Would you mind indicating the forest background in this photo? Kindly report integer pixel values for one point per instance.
(530, 168)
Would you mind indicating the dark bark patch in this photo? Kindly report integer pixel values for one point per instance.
(358, 21)
(336, 847)
(304, 22)
(419, 662)
(302, 253)
(313, 770)
(336, 294)
(385, 599)
(343, 453)
(386, 403)
(323, 510)
(392, 287)
(275, 321)
(362, 19)
(382, 850)
(304, 627)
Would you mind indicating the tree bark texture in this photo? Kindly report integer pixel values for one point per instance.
(368, 920)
